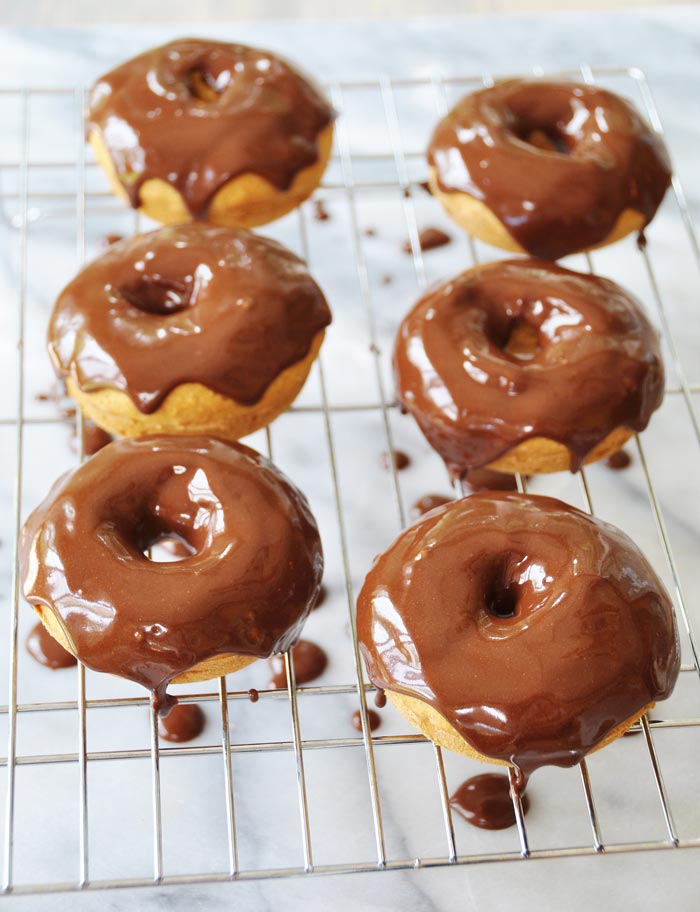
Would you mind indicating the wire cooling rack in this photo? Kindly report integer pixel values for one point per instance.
(53, 196)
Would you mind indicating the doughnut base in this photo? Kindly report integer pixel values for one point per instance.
(243, 202)
(192, 408)
(539, 455)
(215, 667)
(437, 729)
(476, 218)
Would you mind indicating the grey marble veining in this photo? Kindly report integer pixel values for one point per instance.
(665, 42)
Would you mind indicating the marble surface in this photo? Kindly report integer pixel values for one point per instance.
(665, 43)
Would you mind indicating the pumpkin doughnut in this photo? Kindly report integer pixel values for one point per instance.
(189, 329)
(523, 366)
(209, 130)
(518, 630)
(252, 576)
(547, 168)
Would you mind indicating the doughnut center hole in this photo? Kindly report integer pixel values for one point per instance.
(522, 341)
(501, 601)
(158, 295)
(544, 137)
(204, 85)
(169, 548)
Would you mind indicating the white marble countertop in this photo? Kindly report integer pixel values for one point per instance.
(666, 44)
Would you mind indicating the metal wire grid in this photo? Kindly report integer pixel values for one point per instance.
(350, 187)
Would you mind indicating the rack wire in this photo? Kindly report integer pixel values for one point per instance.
(354, 174)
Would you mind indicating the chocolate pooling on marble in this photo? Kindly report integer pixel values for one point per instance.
(535, 630)
(428, 239)
(184, 722)
(310, 662)
(186, 304)
(593, 364)
(556, 162)
(426, 503)
(485, 801)
(197, 114)
(374, 720)
(246, 589)
(42, 647)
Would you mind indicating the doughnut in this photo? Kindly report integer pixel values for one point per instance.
(547, 168)
(251, 578)
(209, 130)
(524, 366)
(188, 329)
(515, 629)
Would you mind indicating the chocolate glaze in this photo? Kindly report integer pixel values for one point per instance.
(534, 629)
(184, 722)
(47, 651)
(427, 503)
(556, 162)
(191, 303)
(400, 460)
(487, 480)
(429, 238)
(198, 113)
(619, 460)
(485, 802)
(310, 662)
(321, 214)
(595, 364)
(373, 718)
(246, 590)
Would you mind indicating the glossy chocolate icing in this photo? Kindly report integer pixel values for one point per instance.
(184, 722)
(485, 802)
(533, 628)
(246, 590)
(556, 162)
(196, 114)
(191, 303)
(596, 363)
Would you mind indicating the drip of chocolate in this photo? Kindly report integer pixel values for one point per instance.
(428, 239)
(94, 438)
(373, 718)
(427, 503)
(398, 458)
(246, 589)
(380, 698)
(556, 162)
(485, 802)
(253, 695)
(42, 647)
(196, 114)
(321, 214)
(110, 239)
(370, 231)
(594, 362)
(310, 662)
(186, 304)
(184, 722)
(497, 582)
(618, 460)
(488, 480)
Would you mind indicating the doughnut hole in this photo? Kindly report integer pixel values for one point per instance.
(523, 341)
(204, 85)
(500, 590)
(157, 295)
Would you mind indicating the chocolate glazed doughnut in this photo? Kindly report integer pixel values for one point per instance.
(524, 366)
(251, 578)
(547, 168)
(188, 329)
(210, 130)
(517, 629)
